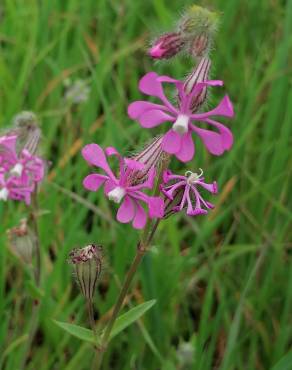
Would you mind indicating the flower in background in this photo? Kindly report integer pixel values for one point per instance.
(182, 192)
(191, 96)
(19, 172)
(77, 92)
(120, 189)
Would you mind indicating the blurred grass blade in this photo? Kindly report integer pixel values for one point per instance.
(285, 363)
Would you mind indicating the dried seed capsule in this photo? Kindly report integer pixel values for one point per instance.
(22, 241)
(87, 264)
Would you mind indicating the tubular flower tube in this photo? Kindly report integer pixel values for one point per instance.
(178, 140)
(182, 192)
(19, 173)
(120, 189)
(151, 156)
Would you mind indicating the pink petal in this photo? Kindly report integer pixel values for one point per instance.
(134, 165)
(149, 85)
(212, 140)
(109, 186)
(212, 188)
(154, 117)
(156, 207)
(166, 175)
(8, 142)
(187, 150)
(172, 142)
(126, 212)
(224, 108)
(226, 134)
(95, 156)
(139, 107)
(140, 217)
(94, 181)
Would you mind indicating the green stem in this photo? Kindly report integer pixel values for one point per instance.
(141, 249)
(36, 305)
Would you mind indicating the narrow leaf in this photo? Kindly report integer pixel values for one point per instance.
(77, 331)
(130, 317)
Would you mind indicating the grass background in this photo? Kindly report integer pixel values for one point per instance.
(222, 282)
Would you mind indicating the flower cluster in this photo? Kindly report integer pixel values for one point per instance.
(20, 171)
(187, 117)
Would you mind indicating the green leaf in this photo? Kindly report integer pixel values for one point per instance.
(77, 331)
(121, 323)
(285, 363)
(130, 317)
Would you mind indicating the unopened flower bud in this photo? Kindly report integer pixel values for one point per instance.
(167, 46)
(22, 241)
(27, 131)
(87, 264)
(198, 27)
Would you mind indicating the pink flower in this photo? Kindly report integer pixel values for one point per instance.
(178, 140)
(120, 189)
(19, 173)
(182, 191)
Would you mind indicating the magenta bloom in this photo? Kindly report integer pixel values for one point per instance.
(183, 192)
(120, 189)
(19, 173)
(178, 140)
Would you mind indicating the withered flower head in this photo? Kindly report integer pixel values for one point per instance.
(28, 131)
(22, 241)
(87, 264)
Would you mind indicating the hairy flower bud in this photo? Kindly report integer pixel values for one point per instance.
(167, 45)
(87, 264)
(22, 241)
(198, 27)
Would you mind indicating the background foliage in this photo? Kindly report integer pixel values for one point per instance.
(222, 282)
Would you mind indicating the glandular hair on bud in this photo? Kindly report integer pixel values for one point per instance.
(22, 241)
(87, 263)
(198, 27)
(28, 131)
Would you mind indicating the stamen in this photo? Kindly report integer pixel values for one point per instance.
(193, 177)
(117, 194)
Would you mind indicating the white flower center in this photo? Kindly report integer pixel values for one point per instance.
(117, 194)
(193, 177)
(4, 194)
(181, 125)
(17, 170)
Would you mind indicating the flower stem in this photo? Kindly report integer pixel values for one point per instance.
(37, 274)
(141, 250)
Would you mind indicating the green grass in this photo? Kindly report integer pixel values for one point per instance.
(221, 282)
